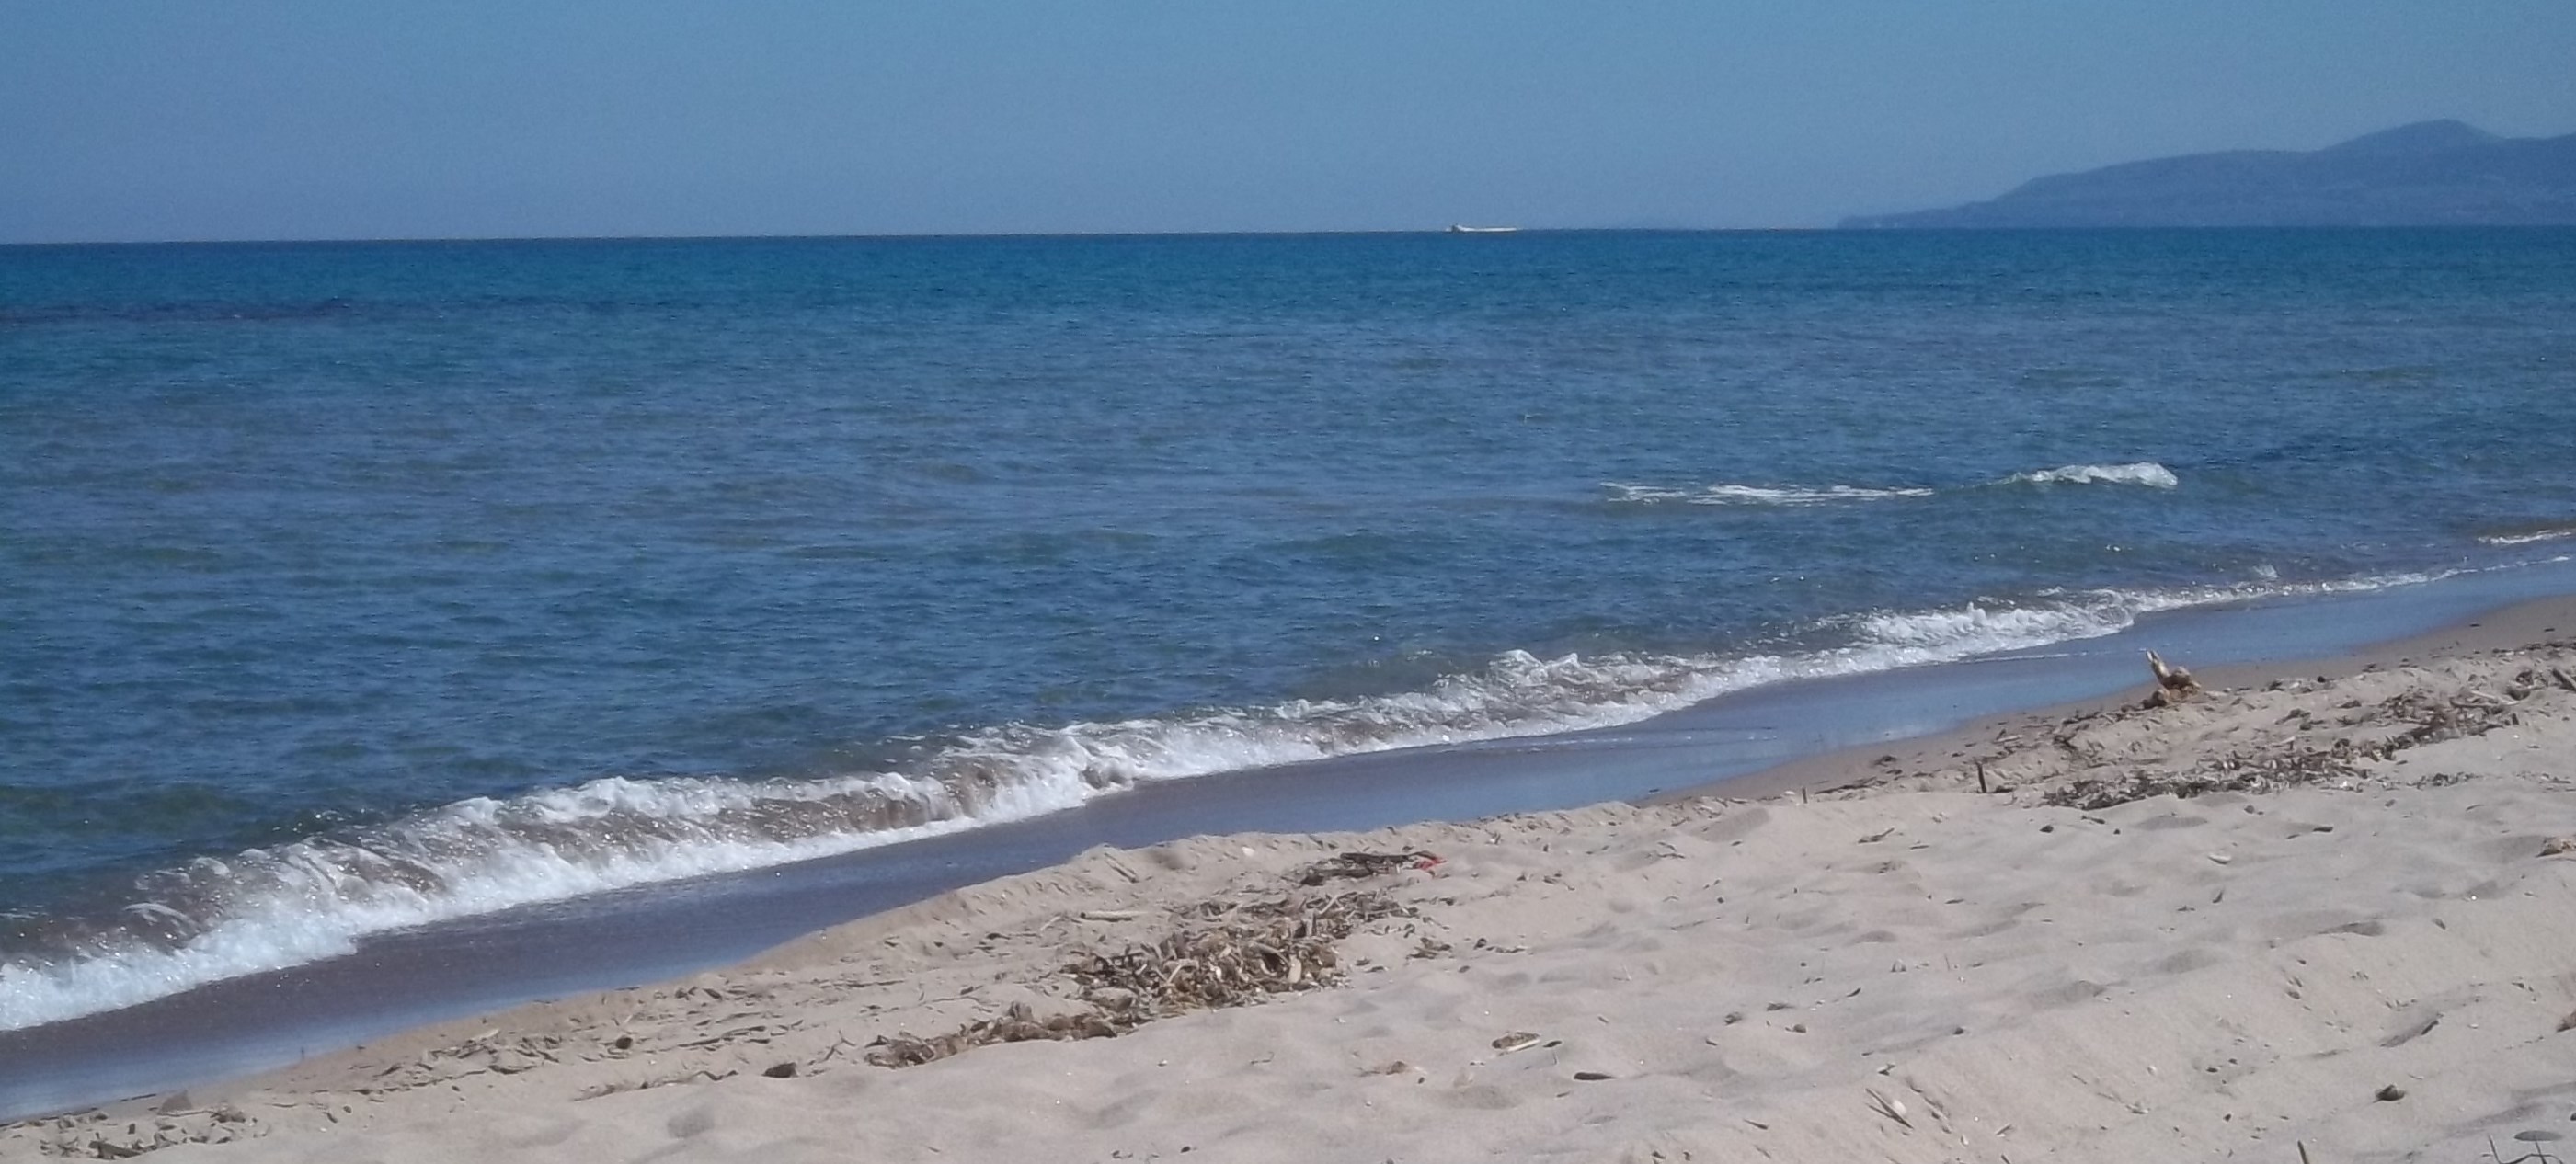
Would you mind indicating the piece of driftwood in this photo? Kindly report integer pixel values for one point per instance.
(2173, 684)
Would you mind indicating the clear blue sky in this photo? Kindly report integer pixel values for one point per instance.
(130, 120)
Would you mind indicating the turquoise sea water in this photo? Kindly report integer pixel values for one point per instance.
(347, 587)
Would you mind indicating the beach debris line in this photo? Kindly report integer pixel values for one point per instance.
(1355, 864)
(2289, 767)
(2419, 715)
(1018, 1025)
(1222, 953)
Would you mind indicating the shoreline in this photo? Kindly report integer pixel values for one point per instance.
(2522, 623)
(2354, 952)
(1919, 759)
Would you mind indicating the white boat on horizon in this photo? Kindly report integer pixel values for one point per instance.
(1462, 228)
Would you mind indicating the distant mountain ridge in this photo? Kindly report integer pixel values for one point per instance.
(2432, 173)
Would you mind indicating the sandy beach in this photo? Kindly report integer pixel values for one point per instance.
(2318, 907)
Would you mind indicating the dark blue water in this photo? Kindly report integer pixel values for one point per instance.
(350, 586)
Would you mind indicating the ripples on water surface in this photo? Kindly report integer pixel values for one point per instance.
(350, 586)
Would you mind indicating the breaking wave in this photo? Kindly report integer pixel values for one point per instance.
(2528, 536)
(266, 909)
(1755, 494)
(2147, 473)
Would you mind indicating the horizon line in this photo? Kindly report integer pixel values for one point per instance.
(895, 235)
(1837, 229)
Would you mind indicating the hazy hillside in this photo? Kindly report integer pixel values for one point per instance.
(2436, 173)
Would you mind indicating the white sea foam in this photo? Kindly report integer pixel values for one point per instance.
(268, 909)
(2529, 536)
(2147, 473)
(1756, 494)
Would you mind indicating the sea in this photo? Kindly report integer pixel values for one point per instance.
(353, 588)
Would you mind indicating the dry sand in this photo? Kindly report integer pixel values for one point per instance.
(2349, 938)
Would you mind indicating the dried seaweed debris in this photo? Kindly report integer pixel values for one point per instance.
(1260, 948)
(1354, 863)
(1019, 1025)
(1239, 953)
